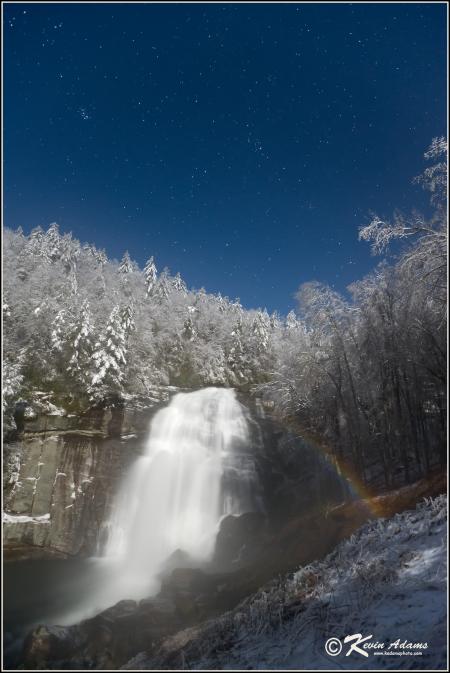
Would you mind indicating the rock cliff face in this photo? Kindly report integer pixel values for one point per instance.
(62, 471)
(61, 474)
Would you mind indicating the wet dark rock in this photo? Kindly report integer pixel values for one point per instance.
(240, 539)
(103, 642)
(179, 559)
(48, 643)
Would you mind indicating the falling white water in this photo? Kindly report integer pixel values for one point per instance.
(195, 470)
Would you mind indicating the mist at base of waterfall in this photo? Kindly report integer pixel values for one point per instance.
(56, 591)
(101, 585)
(47, 591)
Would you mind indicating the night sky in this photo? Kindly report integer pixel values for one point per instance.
(240, 144)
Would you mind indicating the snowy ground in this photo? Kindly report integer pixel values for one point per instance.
(388, 582)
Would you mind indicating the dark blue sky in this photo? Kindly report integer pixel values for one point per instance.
(240, 144)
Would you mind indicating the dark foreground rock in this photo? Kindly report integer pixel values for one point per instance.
(104, 641)
(240, 539)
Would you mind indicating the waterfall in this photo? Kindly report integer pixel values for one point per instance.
(198, 466)
(196, 469)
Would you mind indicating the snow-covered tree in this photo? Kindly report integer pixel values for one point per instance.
(69, 251)
(236, 359)
(109, 356)
(275, 321)
(35, 241)
(150, 275)
(189, 331)
(211, 365)
(82, 344)
(126, 265)
(110, 351)
(291, 320)
(6, 309)
(260, 329)
(163, 286)
(52, 242)
(222, 303)
(434, 178)
(12, 378)
(381, 232)
(127, 318)
(178, 284)
(60, 330)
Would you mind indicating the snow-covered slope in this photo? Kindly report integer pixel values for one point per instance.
(388, 581)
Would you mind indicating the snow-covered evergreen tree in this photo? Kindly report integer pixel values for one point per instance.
(60, 330)
(69, 251)
(222, 303)
(125, 271)
(127, 318)
(150, 275)
(275, 321)
(201, 297)
(291, 320)
(52, 242)
(126, 265)
(236, 359)
(109, 356)
(189, 331)
(163, 286)
(260, 329)
(82, 344)
(100, 256)
(35, 241)
(178, 284)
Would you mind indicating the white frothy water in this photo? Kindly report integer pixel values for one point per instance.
(196, 469)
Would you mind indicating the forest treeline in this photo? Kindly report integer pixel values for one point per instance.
(365, 373)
